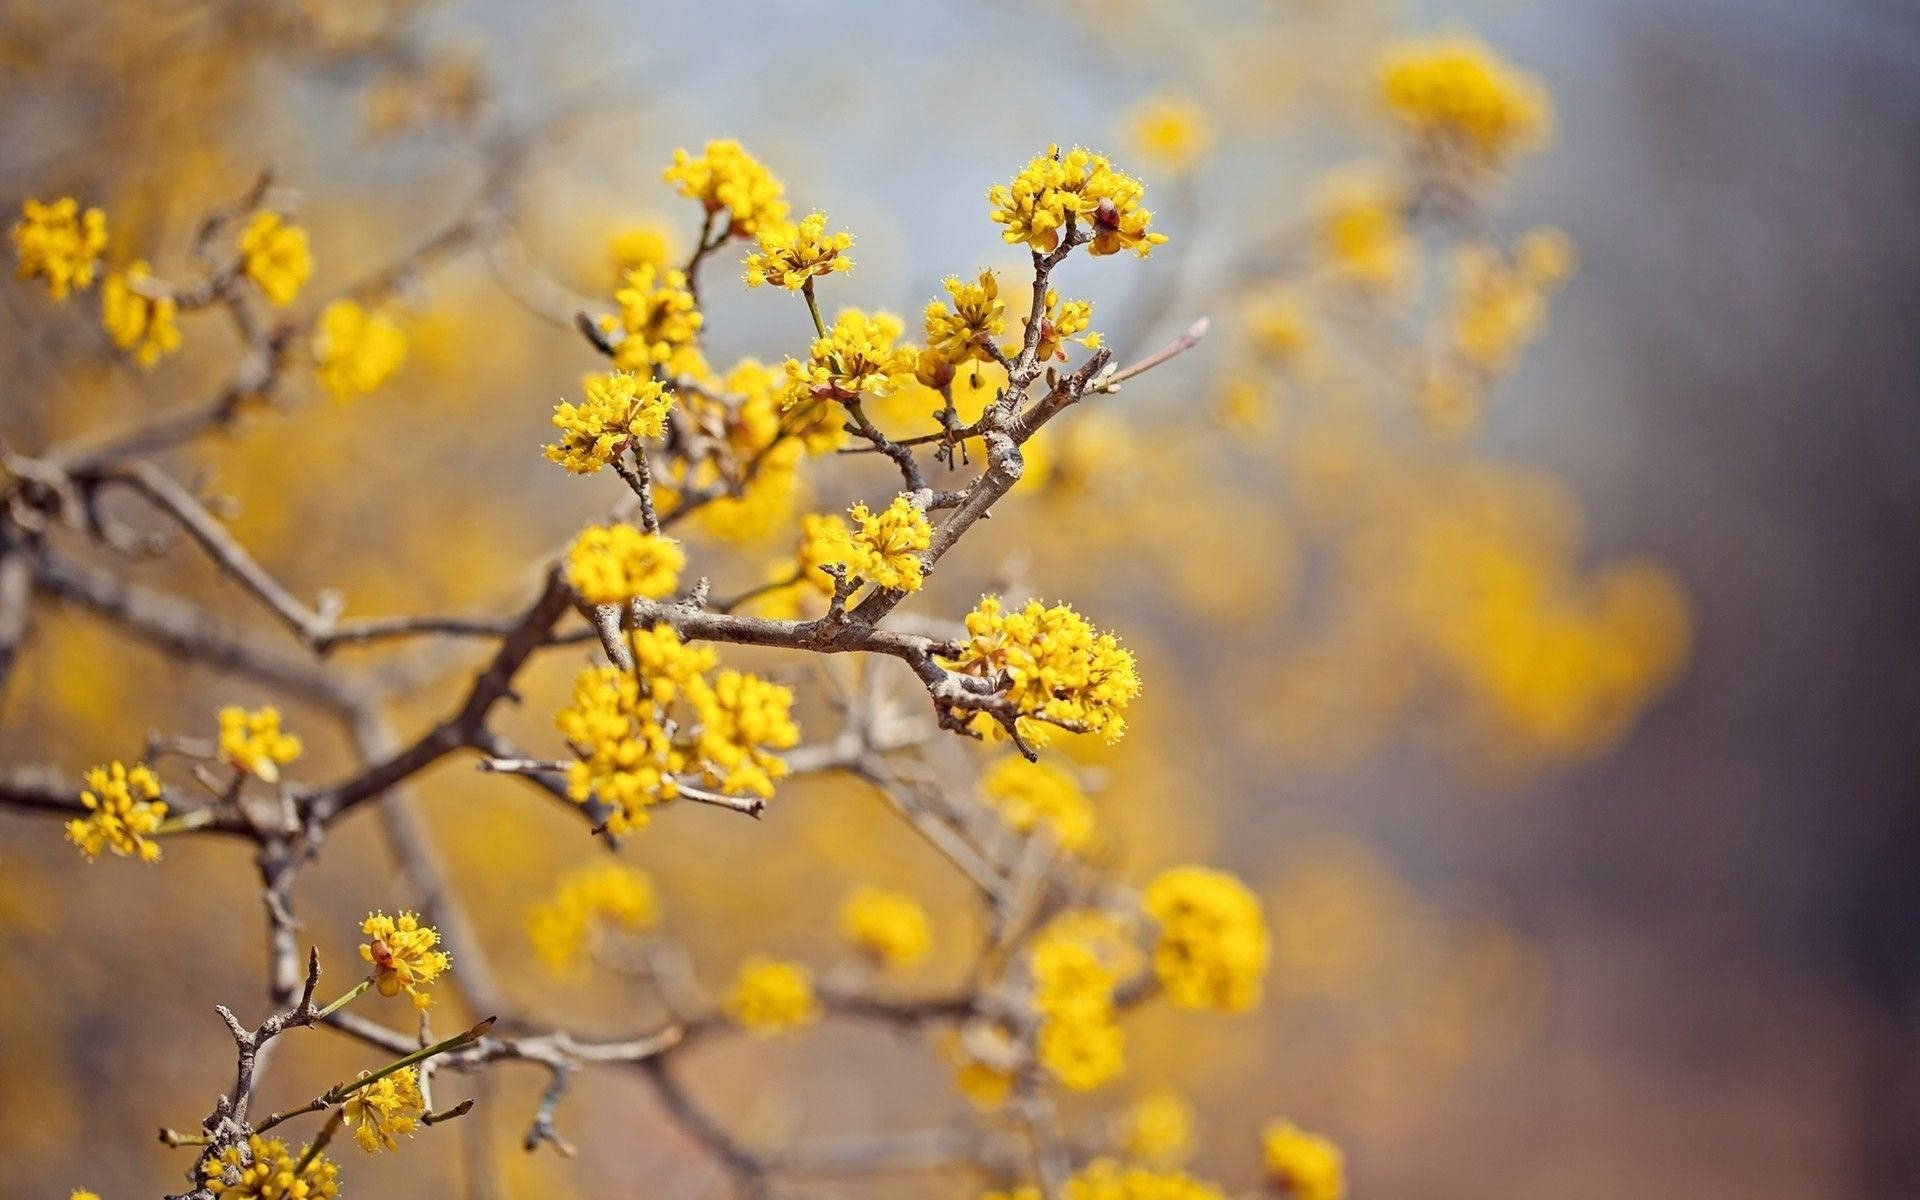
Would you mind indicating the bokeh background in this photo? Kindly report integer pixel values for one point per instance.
(1635, 916)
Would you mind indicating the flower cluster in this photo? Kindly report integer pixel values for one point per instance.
(354, 350)
(562, 927)
(254, 743)
(1050, 667)
(1061, 323)
(267, 1169)
(858, 356)
(1033, 794)
(728, 179)
(884, 548)
(619, 407)
(635, 732)
(1104, 1179)
(1308, 1166)
(611, 564)
(791, 256)
(274, 254)
(1213, 946)
(772, 995)
(1079, 1041)
(1170, 131)
(401, 951)
(647, 245)
(1159, 1129)
(1079, 188)
(1363, 231)
(1454, 90)
(123, 808)
(59, 243)
(892, 927)
(1499, 305)
(139, 314)
(382, 1112)
(658, 319)
(978, 315)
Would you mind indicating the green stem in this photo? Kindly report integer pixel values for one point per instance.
(345, 1000)
(341, 1091)
(319, 1143)
(199, 818)
(813, 308)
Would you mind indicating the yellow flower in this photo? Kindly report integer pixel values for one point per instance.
(728, 179)
(890, 926)
(1081, 188)
(658, 319)
(1029, 794)
(1362, 227)
(266, 1169)
(123, 807)
(790, 255)
(1308, 1166)
(401, 951)
(1061, 323)
(1051, 666)
(1276, 322)
(82, 1194)
(562, 927)
(610, 564)
(1170, 132)
(1213, 945)
(983, 1055)
(355, 351)
(743, 718)
(884, 548)
(275, 256)
(59, 243)
(978, 316)
(1073, 990)
(646, 245)
(772, 995)
(619, 407)
(1159, 1129)
(383, 1111)
(138, 313)
(1499, 306)
(857, 357)
(1456, 94)
(253, 742)
(1104, 1179)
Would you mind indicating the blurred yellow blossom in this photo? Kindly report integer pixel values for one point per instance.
(657, 320)
(60, 244)
(1079, 1042)
(890, 926)
(1454, 91)
(139, 314)
(253, 741)
(354, 350)
(610, 564)
(772, 995)
(1363, 230)
(1158, 1129)
(275, 256)
(562, 926)
(1213, 946)
(650, 244)
(1307, 1165)
(1030, 794)
(1170, 131)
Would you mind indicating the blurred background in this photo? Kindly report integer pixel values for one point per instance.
(1560, 711)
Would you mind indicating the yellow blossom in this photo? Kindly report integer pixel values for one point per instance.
(123, 807)
(1170, 132)
(1080, 188)
(562, 927)
(610, 564)
(983, 1056)
(401, 952)
(139, 314)
(772, 995)
(658, 319)
(1051, 667)
(1062, 323)
(1079, 1043)
(1498, 306)
(59, 243)
(1308, 1166)
(619, 407)
(1213, 946)
(857, 357)
(267, 1169)
(1362, 227)
(977, 317)
(275, 256)
(790, 255)
(355, 351)
(253, 742)
(382, 1112)
(743, 718)
(646, 245)
(728, 179)
(890, 926)
(1276, 322)
(1454, 92)
(1104, 1179)
(1030, 794)
(1158, 1129)
(884, 548)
